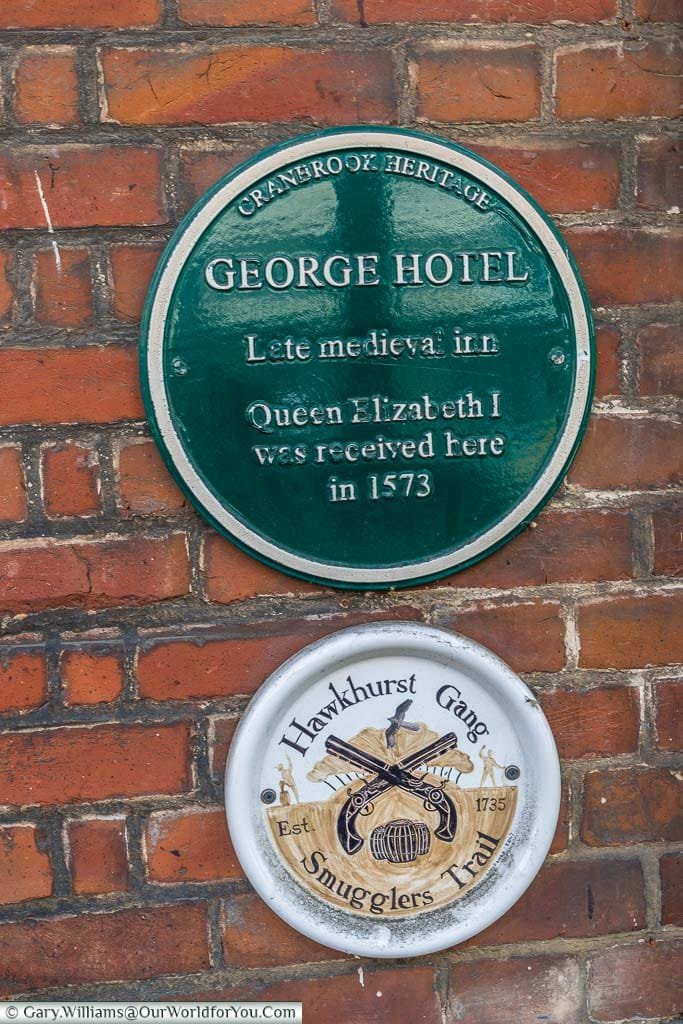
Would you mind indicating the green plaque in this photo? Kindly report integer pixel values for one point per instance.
(367, 357)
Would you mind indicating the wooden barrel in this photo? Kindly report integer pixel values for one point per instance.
(400, 841)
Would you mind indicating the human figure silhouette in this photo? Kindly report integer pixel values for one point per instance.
(489, 763)
(287, 782)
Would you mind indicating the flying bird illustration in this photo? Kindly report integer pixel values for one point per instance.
(397, 721)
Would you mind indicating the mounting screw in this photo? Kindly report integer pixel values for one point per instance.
(557, 356)
(179, 367)
(268, 796)
(512, 772)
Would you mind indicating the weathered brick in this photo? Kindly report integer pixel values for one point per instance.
(12, 485)
(97, 574)
(66, 765)
(630, 632)
(190, 846)
(658, 10)
(202, 168)
(659, 173)
(628, 454)
(71, 479)
(25, 870)
(29, 14)
(593, 723)
(478, 83)
(607, 362)
(561, 838)
(671, 876)
(404, 995)
(222, 730)
(82, 186)
(632, 805)
(606, 82)
(661, 359)
(69, 385)
(23, 679)
(260, 83)
(629, 266)
(231, 575)
(668, 536)
(243, 12)
(122, 946)
(63, 288)
(570, 899)
(145, 485)
(669, 716)
(534, 989)
(132, 267)
(529, 637)
(564, 547)
(539, 12)
(91, 677)
(253, 936)
(204, 668)
(6, 288)
(46, 86)
(98, 860)
(635, 981)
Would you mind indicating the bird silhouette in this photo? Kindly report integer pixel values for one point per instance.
(397, 721)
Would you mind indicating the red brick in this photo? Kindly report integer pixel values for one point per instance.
(633, 453)
(23, 679)
(659, 182)
(243, 12)
(98, 860)
(668, 536)
(631, 632)
(204, 668)
(479, 83)
(222, 732)
(607, 366)
(632, 805)
(231, 575)
(377, 12)
(97, 574)
(538, 988)
(132, 267)
(91, 677)
(629, 266)
(6, 289)
(79, 14)
(609, 82)
(658, 10)
(82, 186)
(190, 846)
(571, 899)
(529, 637)
(561, 838)
(635, 981)
(669, 720)
(253, 936)
(661, 359)
(46, 86)
(671, 875)
(63, 288)
(12, 485)
(202, 168)
(562, 177)
(593, 723)
(145, 485)
(71, 481)
(565, 547)
(69, 385)
(403, 995)
(66, 765)
(25, 871)
(122, 946)
(260, 83)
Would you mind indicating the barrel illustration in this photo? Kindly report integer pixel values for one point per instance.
(400, 841)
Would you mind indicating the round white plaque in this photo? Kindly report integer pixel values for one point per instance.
(392, 790)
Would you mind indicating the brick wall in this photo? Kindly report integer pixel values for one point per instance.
(133, 635)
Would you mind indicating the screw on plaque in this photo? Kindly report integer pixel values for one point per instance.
(179, 367)
(268, 796)
(512, 772)
(557, 356)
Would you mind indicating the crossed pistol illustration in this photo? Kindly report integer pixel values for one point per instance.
(386, 777)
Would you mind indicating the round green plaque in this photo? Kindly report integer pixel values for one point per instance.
(367, 357)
